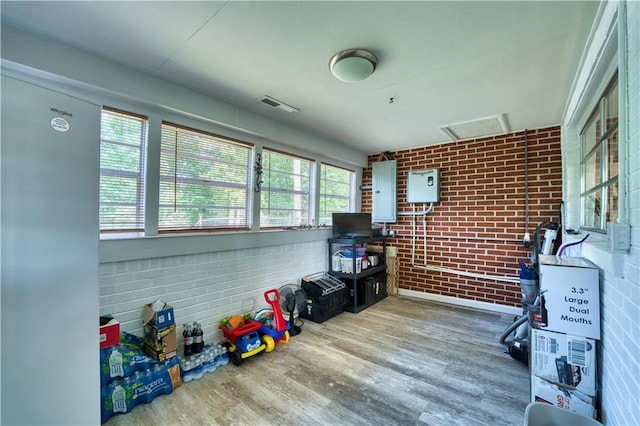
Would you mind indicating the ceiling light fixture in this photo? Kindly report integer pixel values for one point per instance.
(353, 65)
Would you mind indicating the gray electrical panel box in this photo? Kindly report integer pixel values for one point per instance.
(384, 191)
(423, 186)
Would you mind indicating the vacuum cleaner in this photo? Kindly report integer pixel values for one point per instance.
(518, 345)
(550, 243)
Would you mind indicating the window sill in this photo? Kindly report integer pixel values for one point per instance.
(127, 247)
(596, 249)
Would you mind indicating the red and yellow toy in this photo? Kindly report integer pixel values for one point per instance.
(242, 337)
(276, 330)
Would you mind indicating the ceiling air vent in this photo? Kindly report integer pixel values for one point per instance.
(477, 128)
(267, 100)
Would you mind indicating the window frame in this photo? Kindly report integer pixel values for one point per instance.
(600, 191)
(307, 192)
(140, 176)
(323, 196)
(175, 180)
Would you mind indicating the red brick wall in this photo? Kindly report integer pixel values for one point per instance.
(479, 224)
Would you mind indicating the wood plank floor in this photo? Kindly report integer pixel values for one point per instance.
(400, 362)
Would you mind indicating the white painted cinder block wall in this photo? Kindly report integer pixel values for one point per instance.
(619, 361)
(620, 365)
(205, 287)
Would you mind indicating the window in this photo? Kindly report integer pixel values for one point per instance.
(336, 192)
(599, 165)
(285, 191)
(123, 138)
(204, 181)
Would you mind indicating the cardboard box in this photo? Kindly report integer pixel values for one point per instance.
(160, 340)
(158, 314)
(570, 292)
(564, 359)
(109, 331)
(571, 400)
(160, 355)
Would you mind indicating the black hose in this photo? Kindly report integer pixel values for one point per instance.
(517, 323)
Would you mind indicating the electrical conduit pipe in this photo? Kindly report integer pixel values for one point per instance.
(424, 266)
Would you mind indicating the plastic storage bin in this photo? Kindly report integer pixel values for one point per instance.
(375, 288)
(326, 297)
(347, 264)
(321, 308)
(540, 414)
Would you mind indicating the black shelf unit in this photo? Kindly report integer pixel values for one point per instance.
(362, 294)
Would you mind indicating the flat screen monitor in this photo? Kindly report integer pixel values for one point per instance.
(351, 225)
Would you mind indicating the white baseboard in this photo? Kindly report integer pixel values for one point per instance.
(461, 302)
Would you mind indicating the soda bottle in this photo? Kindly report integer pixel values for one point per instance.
(543, 311)
(187, 333)
(198, 338)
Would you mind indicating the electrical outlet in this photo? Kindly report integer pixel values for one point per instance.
(619, 236)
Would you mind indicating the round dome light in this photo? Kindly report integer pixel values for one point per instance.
(353, 65)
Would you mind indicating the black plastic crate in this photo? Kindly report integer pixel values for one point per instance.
(321, 308)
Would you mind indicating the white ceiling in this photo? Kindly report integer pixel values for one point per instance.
(442, 62)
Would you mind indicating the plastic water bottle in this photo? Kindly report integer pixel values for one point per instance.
(160, 377)
(119, 399)
(115, 364)
(138, 381)
(224, 355)
(215, 356)
(209, 363)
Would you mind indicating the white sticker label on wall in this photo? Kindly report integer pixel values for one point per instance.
(59, 124)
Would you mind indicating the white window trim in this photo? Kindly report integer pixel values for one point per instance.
(167, 176)
(311, 192)
(605, 185)
(352, 187)
(599, 63)
(142, 179)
